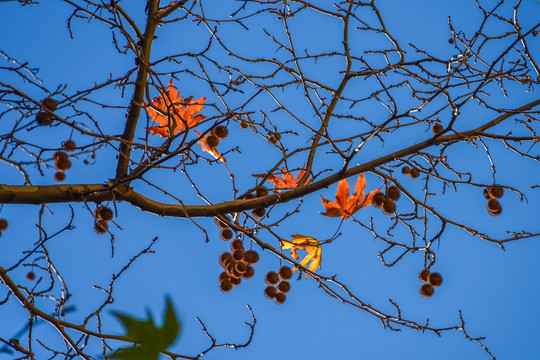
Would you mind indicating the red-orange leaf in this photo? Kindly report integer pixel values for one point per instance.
(172, 112)
(344, 205)
(287, 181)
(306, 243)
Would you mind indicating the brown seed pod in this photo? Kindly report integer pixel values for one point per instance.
(69, 145)
(44, 118)
(272, 140)
(101, 227)
(435, 279)
(494, 207)
(240, 267)
(251, 257)
(495, 192)
(259, 212)
(238, 254)
(261, 192)
(60, 156)
(220, 132)
(388, 207)
(280, 298)
(224, 276)
(277, 136)
(220, 223)
(248, 274)
(225, 285)
(415, 173)
(237, 244)
(60, 176)
(405, 170)
(271, 278)
(378, 200)
(284, 287)
(427, 290)
(30, 276)
(50, 104)
(393, 193)
(423, 276)
(243, 125)
(62, 165)
(270, 292)
(487, 195)
(104, 213)
(231, 270)
(212, 141)
(225, 258)
(285, 273)
(236, 281)
(250, 196)
(226, 234)
(437, 129)
(3, 224)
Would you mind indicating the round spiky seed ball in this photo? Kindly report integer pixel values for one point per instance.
(226, 234)
(259, 212)
(272, 140)
(237, 244)
(60, 156)
(277, 136)
(388, 207)
(225, 285)
(224, 276)
(393, 193)
(243, 125)
(270, 292)
(30, 275)
(495, 191)
(285, 273)
(63, 165)
(60, 176)
(248, 274)
(487, 195)
(280, 298)
(220, 131)
(251, 257)
(238, 254)
(261, 192)
(69, 145)
(44, 118)
(212, 141)
(423, 275)
(50, 104)
(236, 280)
(104, 213)
(435, 279)
(225, 258)
(220, 223)
(3, 224)
(437, 129)
(415, 173)
(427, 290)
(284, 286)
(378, 200)
(240, 267)
(271, 278)
(101, 227)
(405, 170)
(494, 207)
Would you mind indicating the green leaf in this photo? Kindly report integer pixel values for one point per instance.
(150, 340)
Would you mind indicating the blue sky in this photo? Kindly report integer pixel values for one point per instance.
(496, 290)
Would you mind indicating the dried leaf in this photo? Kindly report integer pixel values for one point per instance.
(306, 243)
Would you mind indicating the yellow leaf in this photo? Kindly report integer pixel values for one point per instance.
(306, 243)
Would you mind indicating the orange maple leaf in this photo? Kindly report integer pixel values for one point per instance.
(306, 243)
(288, 180)
(174, 113)
(344, 205)
(209, 150)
